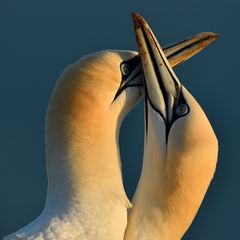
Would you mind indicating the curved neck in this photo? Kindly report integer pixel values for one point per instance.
(83, 159)
(84, 172)
(173, 182)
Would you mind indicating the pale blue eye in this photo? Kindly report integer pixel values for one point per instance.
(181, 109)
(125, 69)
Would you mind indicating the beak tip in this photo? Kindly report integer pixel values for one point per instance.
(215, 36)
(210, 36)
(138, 20)
(135, 15)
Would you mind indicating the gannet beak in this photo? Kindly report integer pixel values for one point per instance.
(176, 54)
(162, 87)
(181, 51)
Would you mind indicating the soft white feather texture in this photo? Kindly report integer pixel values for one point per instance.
(175, 175)
(85, 198)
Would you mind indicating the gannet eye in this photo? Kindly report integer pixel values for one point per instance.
(181, 109)
(125, 69)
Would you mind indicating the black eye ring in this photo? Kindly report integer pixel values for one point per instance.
(125, 69)
(181, 109)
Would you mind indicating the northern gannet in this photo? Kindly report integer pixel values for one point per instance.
(180, 150)
(85, 197)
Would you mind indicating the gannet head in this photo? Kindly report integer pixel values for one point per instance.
(118, 82)
(94, 94)
(91, 98)
(180, 144)
(88, 103)
(109, 80)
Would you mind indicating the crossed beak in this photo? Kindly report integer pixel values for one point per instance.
(162, 87)
(175, 53)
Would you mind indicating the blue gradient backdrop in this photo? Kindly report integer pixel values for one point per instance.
(38, 39)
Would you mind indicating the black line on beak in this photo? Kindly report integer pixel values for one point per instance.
(186, 47)
(155, 65)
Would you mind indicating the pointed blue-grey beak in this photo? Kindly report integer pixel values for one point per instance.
(181, 51)
(176, 54)
(162, 87)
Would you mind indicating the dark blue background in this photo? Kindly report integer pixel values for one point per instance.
(38, 39)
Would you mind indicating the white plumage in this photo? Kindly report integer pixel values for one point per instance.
(85, 197)
(180, 151)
